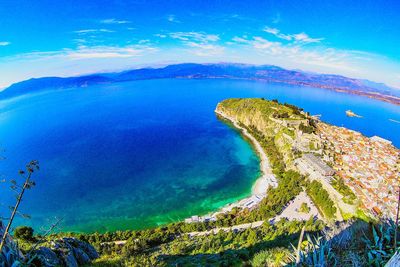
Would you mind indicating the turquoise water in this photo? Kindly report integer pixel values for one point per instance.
(139, 154)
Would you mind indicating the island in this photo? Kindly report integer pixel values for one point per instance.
(350, 113)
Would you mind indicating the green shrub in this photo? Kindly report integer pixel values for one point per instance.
(24, 232)
(321, 199)
(272, 257)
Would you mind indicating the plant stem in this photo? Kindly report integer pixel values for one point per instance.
(299, 245)
(397, 222)
(4, 238)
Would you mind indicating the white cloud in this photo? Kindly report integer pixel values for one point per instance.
(206, 49)
(197, 36)
(278, 34)
(299, 37)
(144, 41)
(85, 31)
(202, 44)
(160, 35)
(273, 31)
(107, 52)
(324, 57)
(4, 43)
(86, 52)
(303, 37)
(172, 18)
(114, 21)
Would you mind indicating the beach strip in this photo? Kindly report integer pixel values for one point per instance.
(260, 187)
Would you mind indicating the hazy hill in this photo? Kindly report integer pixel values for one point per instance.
(267, 73)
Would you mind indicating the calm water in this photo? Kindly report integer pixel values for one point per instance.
(139, 154)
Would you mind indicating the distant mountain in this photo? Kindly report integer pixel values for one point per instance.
(51, 83)
(268, 73)
(381, 87)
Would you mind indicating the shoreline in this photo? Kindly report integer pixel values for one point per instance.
(259, 187)
(267, 177)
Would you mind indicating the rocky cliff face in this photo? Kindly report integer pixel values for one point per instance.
(10, 254)
(278, 121)
(68, 252)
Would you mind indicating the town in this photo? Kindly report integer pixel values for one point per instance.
(369, 166)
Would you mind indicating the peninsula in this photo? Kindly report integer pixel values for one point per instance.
(358, 172)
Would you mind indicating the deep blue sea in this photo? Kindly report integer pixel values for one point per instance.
(139, 154)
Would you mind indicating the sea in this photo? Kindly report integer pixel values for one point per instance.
(136, 155)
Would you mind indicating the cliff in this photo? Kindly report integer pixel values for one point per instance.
(69, 252)
(288, 126)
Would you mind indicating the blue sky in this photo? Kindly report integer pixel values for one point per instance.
(62, 38)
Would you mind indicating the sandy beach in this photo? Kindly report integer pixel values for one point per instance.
(259, 188)
(267, 178)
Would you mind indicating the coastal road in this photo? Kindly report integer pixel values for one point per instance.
(239, 227)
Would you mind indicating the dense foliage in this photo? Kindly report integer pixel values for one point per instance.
(221, 249)
(24, 233)
(306, 128)
(321, 198)
(348, 195)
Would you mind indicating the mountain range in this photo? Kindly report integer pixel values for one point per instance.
(268, 73)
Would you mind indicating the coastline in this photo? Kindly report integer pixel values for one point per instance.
(260, 186)
(267, 177)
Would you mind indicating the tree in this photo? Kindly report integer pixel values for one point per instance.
(24, 233)
(28, 184)
(304, 208)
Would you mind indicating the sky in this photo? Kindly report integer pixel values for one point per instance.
(359, 39)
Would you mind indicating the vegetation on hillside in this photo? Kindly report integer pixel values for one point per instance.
(321, 199)
(348, 195)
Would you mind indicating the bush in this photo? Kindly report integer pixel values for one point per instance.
(321, 199)
(24, 233)
(304, 208)
(271, 257)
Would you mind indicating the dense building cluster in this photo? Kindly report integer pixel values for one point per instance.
(369, 166)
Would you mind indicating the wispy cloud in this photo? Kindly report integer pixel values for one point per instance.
(275, 31)
(303, 37)
(160, 35)
(173, 18)
(4, 43)
(88, 52)
(114, 21)
(202, 44)
(326, 57)
(107, 52)
(204, 50)
(277, 18)
(85, 31)
(298, 37)
(196, 36)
